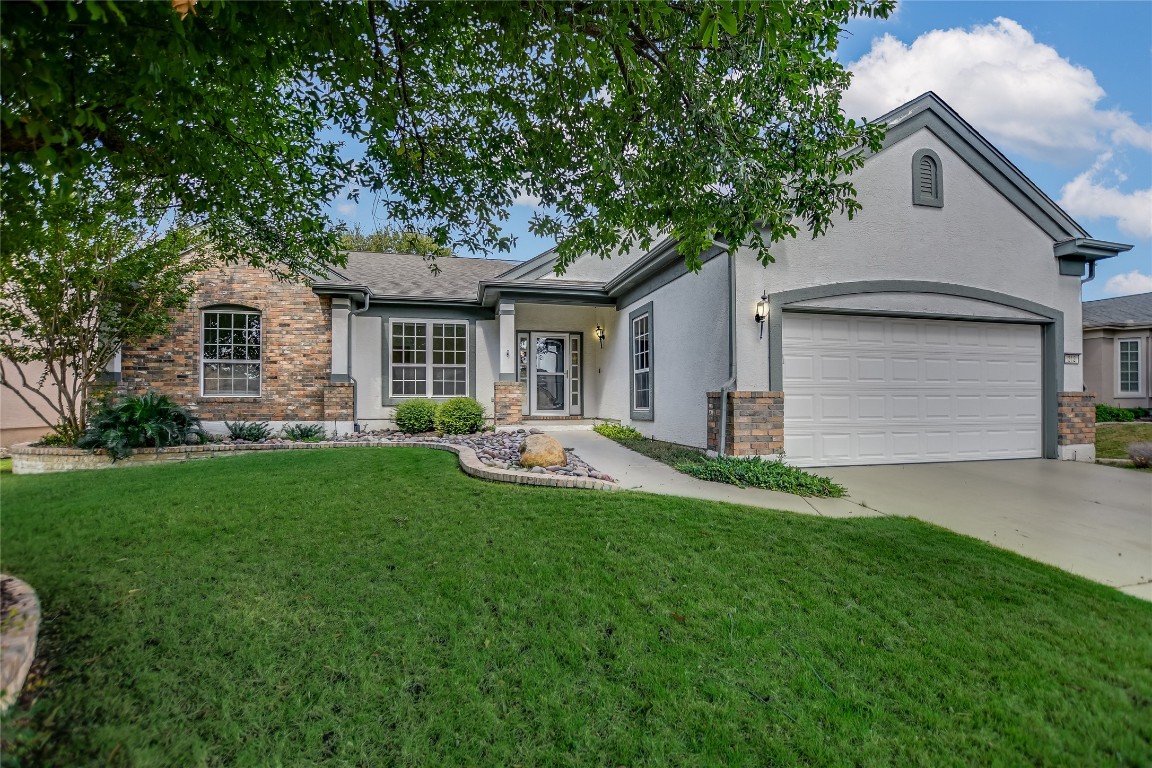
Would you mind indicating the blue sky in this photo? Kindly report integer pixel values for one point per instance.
(1064, 89)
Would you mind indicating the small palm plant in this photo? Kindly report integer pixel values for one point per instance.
(150, 420)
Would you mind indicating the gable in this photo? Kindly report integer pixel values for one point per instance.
(929, 112)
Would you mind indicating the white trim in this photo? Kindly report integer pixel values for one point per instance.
(637, 356)
(428, 365)
(259, 362)
(1140, 383)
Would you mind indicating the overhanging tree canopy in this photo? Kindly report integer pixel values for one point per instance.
(703, 118)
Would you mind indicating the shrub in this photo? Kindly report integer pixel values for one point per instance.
(616, 431)
(1141, 455)
(1112, 413)
(252, 431)
(147, 421)
(54, 438)
(416, 415)
(459, 416)
(304, 433)
(755, 471)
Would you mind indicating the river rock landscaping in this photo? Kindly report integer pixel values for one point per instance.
(502, 451)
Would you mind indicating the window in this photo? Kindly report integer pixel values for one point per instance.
(230, 353)
(927, 179)
(1129, 352)
(425, 351)
(641, 362)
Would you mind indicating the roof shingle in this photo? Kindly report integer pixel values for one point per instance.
(1133, 310)
(402, 274)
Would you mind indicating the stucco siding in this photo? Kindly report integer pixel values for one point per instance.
(689, 356)
(977, 239)
(600, 270)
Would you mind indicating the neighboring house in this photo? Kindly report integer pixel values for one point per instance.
(1118, 350)
(934, 326)
(18, 422)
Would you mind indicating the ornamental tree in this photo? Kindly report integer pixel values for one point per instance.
(393, 241)
(701, 118)
(101, 275)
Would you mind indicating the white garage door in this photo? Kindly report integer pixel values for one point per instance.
(873, 390)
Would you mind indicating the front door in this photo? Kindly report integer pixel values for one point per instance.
(548, 387)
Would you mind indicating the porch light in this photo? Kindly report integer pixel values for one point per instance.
(600, 335)
(762, 311)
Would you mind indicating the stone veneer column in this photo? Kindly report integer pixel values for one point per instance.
(755, 423)
(1076, 426)
(508, 402)
(338, 402)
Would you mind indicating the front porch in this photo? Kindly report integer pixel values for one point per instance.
(554, 362)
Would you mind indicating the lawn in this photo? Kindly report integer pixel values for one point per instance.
(378, 607)
(1112, 440)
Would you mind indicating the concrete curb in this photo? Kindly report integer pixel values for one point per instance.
(29, 460)
(18, 629)
(1116, 462)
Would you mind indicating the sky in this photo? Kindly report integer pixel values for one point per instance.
(1063, 89)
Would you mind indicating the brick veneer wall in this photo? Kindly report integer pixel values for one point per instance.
(296, 353)
(755, 423)
(508, 402)
(1076, 418)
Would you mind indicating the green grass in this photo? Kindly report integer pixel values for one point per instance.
(6, 466)
(1112, 440)
(378, 607)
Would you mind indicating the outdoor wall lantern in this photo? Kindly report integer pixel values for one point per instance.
(762, 311)
(600, 335)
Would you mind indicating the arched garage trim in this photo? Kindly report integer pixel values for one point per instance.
(1050, 320)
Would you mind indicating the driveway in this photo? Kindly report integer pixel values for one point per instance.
(1089, 519)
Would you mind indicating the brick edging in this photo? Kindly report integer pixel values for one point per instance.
(469, 462)
(18, 648)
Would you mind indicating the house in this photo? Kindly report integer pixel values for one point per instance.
(1118, 350)
(940, 324)
(18, 422)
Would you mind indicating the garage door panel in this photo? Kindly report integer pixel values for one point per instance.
(886, 390)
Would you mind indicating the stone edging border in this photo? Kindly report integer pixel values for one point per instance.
(27, 459)
(19, 640)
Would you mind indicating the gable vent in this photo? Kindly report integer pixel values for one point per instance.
(927, 179)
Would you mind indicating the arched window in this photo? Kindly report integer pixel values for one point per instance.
(230, 358)
(927, 179)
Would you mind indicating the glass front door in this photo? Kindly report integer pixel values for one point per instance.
(548, 362)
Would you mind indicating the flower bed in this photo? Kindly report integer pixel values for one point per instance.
(30, 459)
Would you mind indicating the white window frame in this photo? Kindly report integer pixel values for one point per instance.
(1139, 390)
(206, 361)
(428, 365)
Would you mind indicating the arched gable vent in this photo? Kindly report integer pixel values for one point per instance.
(927, 179)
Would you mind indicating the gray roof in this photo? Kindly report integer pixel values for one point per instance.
(402, 274)
(1122, 311)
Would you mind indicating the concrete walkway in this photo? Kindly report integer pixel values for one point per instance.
(635, 472)
(1092, 520)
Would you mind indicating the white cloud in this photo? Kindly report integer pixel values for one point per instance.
(1018, 92)
(347, 208)
(1128, 283)
(523, 198)
(1087, 197)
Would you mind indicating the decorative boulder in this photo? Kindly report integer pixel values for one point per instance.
(542, 451)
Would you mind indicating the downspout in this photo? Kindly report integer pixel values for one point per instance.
(351, 314)
(1091, 273)
(724, 390)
